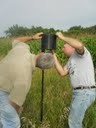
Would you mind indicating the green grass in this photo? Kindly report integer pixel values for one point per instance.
(57, 98)
(5, 46)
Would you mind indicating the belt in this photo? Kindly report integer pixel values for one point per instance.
(84, 87)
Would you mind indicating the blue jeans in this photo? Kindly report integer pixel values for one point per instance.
(81, 100)
(8, 115)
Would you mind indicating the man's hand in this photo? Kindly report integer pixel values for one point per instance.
(18, 108)
(78, 45)
(60, 35)
(37, 36)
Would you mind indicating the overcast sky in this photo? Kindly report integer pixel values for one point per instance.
(59, 14)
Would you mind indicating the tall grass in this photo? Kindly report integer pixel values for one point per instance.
(57, 95)
(5, 46)
(56, 99)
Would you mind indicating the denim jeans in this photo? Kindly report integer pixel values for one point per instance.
(8, 115)
(81, 100)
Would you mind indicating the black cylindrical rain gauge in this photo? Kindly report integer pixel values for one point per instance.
(48, 42)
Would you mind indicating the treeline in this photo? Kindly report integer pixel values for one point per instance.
(17, 30)
(79, 29)
(86, 35)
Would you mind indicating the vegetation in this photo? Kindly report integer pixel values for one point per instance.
(16, 30)
(57, 90)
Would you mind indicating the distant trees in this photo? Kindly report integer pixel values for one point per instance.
(91, 30)
(75, 29)
(16, 30)
(79, 29)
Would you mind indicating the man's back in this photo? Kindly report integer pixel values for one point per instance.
(16, 68)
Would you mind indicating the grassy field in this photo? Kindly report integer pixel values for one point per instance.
(57, 99)
(57, 95)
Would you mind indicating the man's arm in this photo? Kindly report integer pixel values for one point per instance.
(79, 47)
(18, 108)
(28, 38)
(62, 71)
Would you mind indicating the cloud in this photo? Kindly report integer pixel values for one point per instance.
(60, 14)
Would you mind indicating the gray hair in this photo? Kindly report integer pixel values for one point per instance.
(45, 61)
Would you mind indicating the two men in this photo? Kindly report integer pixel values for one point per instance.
(81, 71)
(16, 73)
(15, 78)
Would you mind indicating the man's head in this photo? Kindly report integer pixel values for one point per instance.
(68, 50)
(45, 60)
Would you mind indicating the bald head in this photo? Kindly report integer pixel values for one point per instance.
(68, 50)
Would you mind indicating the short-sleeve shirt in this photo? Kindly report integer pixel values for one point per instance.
(16, 72)
(81, 69)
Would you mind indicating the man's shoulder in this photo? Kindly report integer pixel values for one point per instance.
(77, 55)
(18, 43)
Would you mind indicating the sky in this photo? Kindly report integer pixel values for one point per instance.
(58, 14)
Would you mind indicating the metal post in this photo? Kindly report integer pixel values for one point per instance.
(42, 98)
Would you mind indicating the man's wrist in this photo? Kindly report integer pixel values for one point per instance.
(63, 38)
(31, 38)
(55, 58)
